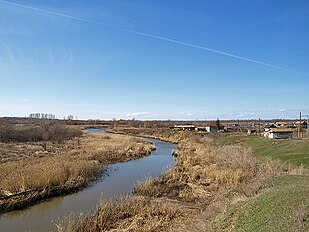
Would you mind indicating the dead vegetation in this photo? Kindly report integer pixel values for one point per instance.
(52, 132)
(61, 168)
(215, 177)
(206, 181)
(128, 214)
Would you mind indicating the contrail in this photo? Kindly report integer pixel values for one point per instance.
(151, 36)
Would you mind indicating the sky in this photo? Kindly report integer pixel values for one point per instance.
(164, 59)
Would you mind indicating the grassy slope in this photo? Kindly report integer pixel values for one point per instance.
(294, 151)
(285, 208)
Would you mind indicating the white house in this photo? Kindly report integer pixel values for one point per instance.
(212, 128)
(279, 133)
(185, 127)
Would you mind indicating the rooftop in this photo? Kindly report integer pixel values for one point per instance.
(281, 130)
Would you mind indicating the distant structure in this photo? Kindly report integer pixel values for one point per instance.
(214, 128)
(185, 127)
(281, 124)
(304, 124)
(270, 126)
(279, 133)
(252, 132)
(200, 128)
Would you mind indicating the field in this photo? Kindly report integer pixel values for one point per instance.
(293, 151)
(35, 171)
(208, 181)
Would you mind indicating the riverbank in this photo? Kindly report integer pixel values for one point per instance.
(207, 181)
(31, 173)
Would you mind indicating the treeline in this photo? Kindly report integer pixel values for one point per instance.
(42, 116)
(45, 132)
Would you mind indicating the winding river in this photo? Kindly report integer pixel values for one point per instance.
(120, 180)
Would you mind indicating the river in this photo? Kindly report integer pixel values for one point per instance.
(118, 181)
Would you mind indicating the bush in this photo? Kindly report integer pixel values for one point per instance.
(48, 132)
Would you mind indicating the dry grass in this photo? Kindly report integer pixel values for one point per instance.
(207, 180)
(67, 167)
(214, 178)
(128, 214)
(44, 132)
(156, 133)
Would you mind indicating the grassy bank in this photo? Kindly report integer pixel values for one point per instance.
(284, 208)
(294, 151)
(32, 173)
(207, 181)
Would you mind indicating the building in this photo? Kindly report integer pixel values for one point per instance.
(185, 127)
(200, 128)
(213, 128)
(304, 124)
(281, 124)
(270, 126)
(252, 132)
(279, 133)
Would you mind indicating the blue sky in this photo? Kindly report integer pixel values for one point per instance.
(63, 65)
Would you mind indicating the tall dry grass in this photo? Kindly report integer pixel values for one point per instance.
(203, 168)
(45, 132)
(68, 170)
(128, 214)
(214, 177)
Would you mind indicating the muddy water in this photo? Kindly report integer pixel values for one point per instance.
(121, 179)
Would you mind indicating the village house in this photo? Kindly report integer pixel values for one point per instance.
(304, 124)
(279, 133)
(252, 132)
(213, 128)
(268, 127)
(281, 124)
(200, 128)
(185, 127)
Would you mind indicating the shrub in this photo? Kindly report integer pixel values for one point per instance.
(47, 132)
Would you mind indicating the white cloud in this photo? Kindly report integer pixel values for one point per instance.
(137, 114)
(186, 114)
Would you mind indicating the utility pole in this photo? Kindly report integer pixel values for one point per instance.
(307, 125)
(299, 129)
(259, 125)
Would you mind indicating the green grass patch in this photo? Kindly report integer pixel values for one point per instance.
(284, 208)
(294, 151)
